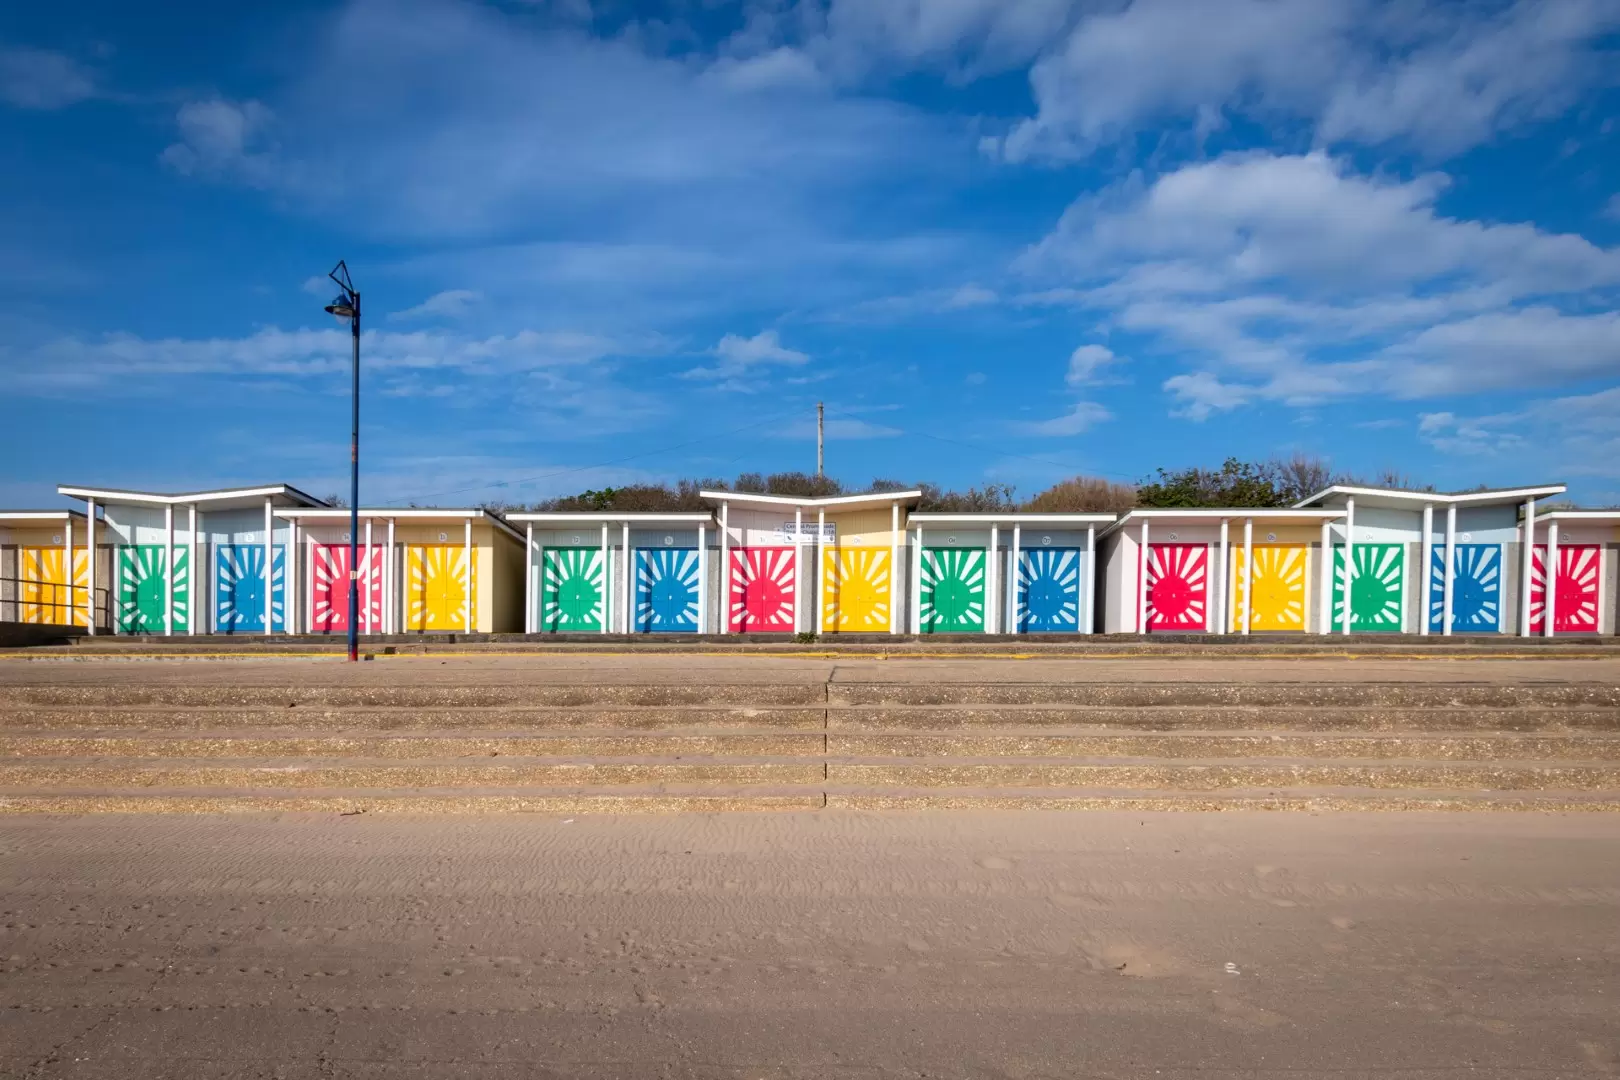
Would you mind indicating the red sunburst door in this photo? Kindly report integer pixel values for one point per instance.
(1177, 584)
(760, 591)
(1575, 595)
(329, 589)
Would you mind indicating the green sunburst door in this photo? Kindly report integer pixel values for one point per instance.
(141, 597)
(571, 599)
(952, 593)
(1377, 589)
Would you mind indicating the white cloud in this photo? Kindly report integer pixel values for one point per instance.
(1611, 209)
(740, 356)
(450, 304)
(1087, 362)
(1577, 435)
(120, 363)
(1081, 418)
(1440, 78)
(1292, 278)
(221, 139)
(41, 79)
(970, 296)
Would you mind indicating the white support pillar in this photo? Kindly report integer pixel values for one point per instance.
(629, 627)
(1451, 572)
(70, 605)
(198, 592)
(815, 571)
(703, 579)
(528, 580)
(607, 582)
(1527, 562)
(1349, 558)
(1090, 582)
(168, 569)
(366, 624)
(1248, 575)
(725, 568)
(292, 601)
(472, 568)
(1012, 579)
(1324, 620)
(916, 584)
(1223, 582)
(1549, 608)
(1428, 570)
(269, 566)
(894, 568)
(90, 527)
(992, 597)
(1141, 581)
(390, 585)
(798, 569)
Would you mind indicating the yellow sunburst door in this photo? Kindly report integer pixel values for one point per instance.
(441, 588)
(855, 596)
(46, 597)
(1280, 574)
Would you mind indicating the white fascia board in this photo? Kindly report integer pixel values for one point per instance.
(1013, 518)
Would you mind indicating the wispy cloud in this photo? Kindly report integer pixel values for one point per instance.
(740, 359)
(450, 304)
(42, 79)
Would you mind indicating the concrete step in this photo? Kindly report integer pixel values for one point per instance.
(1073, 744)
(37, 775)
(410, 718)
(773, 695)
(850, 718)
(634, 800)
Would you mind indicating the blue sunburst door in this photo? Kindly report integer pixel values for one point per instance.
(1049, 598)
(1476, 588)
(239, 589)
(667, 587)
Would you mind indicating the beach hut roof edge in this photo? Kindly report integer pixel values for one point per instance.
(609, 517)
(1013, 517)
(1188, 515)
(870, 500)
(425, 514)
(220, 499)
(22, 516)
(1398, 497)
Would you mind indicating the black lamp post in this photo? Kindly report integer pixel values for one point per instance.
(346, 305)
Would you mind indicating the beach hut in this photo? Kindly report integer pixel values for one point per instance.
(157, 538)
(421, 571)
(45, 575)
(797, 564)
(1584, 546)
(1187, 570)
(1431, 562)
(1004, 573)
(591, 572)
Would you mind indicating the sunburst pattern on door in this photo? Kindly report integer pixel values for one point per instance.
(951, 592)
(1476, 588)
(141, 598)
(329, 589)
(46, 597)
(667, 587)
(1048, 590)
(856, 590)
(1377, 588)
(1279, 587)
(239, 589)
(441, 588)
(571, 590)
(1177, 587)
(759, 593)
(1576, 595)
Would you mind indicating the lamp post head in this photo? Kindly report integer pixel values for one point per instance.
(341, 306)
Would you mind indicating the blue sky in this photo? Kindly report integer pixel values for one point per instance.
(1004, 240)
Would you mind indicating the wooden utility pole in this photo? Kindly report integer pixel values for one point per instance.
(820, 438)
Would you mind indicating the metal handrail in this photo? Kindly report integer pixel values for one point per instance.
(65, 611)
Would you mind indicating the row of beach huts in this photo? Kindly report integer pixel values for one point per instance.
(1347, 560)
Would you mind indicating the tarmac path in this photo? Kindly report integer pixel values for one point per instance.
(948, 944)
